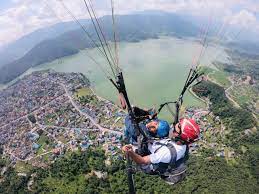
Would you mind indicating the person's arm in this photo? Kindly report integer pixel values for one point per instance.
(135, 157)
(139, 159)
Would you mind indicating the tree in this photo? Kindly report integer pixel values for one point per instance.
(32, 118)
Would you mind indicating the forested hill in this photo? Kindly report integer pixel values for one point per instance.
(20, 47)
(131, 28)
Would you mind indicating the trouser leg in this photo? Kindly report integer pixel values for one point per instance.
(130, 132)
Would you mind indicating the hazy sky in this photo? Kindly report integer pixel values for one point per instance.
(20, 17)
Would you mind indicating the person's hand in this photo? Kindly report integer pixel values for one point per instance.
(122, 101)
(127, 148)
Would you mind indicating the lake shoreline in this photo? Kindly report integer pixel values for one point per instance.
(154, 70)
(5, 85)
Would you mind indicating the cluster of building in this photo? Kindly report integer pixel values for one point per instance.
(211, 129)
(103, 112)
(60, 122)
(15, 139)
(26, 96)
(62, 113)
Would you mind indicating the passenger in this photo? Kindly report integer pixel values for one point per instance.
(166, 156)
(151, 126)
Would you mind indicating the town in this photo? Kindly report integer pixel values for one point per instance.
(48, 114)
(44, 116)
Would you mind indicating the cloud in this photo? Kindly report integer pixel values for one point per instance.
(242, 18)
(26, 16)
(29, 15)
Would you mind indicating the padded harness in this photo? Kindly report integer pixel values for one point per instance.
(166, 168)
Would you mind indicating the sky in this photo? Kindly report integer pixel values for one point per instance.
(20, 17)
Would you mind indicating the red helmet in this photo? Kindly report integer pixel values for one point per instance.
(190, 130)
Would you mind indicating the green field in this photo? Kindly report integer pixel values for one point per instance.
(221, 78)
(83, 92)
(22, 167)
(43, 139)
(41, 149)
(217, 76)
(244, 94)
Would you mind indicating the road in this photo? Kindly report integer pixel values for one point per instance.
(27, 159)
(43, 129)
(86, 115)
(79, 110)
(229, 96)
(70, 128)
(22, 117)
(226, 91)
(67, 94)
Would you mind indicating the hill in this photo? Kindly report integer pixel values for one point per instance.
(20, 47)
(247, 47)
(131, 28)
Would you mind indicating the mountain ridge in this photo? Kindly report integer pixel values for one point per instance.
(20, 47)
(71, 42)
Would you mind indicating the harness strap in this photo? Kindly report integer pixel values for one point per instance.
(161, 168)
(173, 155)
(172, 150)
(158, 148)
(173, 162)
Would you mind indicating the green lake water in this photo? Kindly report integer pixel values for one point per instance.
(154, 70)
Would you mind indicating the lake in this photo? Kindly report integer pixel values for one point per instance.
(154, 70)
